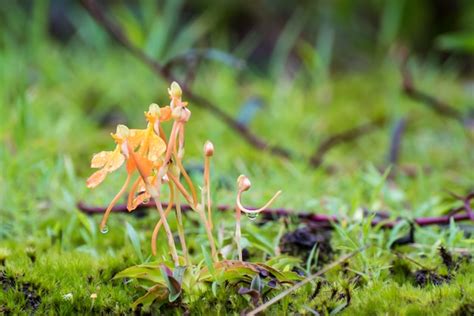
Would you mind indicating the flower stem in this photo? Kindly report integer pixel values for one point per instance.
(182, 239)
(207, 188)
(200, 210)
(238, 232)
(188, 181)
(155, 194)
(114, 201)
(160, 222)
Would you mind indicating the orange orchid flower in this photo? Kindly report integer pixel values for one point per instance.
(108, 161)
(152, 147)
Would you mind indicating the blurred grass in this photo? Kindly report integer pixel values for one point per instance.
(58, 104)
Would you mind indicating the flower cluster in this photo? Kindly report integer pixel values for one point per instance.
(156, 161)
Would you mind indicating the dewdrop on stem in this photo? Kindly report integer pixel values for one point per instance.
(244, 184)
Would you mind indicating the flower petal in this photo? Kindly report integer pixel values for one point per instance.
(141, 186)
(100, 159)
(135, 137)
(96, 178)
(115, 161)
(130, 166)
(143, 165)
(141, 198)
(157, 148)
(165, 114)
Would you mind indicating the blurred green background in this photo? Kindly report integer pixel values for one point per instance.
(293, 74)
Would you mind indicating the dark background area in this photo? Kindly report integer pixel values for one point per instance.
(349, 34)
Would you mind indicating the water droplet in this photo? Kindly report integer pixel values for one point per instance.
(252, 216)
(104, 230)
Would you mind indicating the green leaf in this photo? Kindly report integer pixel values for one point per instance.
(135, 240)
(256, 284)
(208, 260)
(158, 293)
(283, 262)
(258, 241)
(462, 42)
(174, 287)
(178, 273)
(313, 254)
(141, 272)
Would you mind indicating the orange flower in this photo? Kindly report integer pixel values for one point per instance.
(108, 161)
(152, 147)
(145, 145)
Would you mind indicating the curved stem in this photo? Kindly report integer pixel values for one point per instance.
(188, 181)
(171, 143)
(244, 186)
(180, 137)
(163, 135)
(131, 194)
(155, 194)
(114, 201)
(182, 239)
(181, 189)
(245, 210)
(158, 225)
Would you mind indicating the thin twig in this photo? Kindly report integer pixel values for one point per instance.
(304, 282)
(116, 32)
(433, 103)
(396, 139)
(347, 136)
(320, 219)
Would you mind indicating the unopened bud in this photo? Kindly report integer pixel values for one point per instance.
(243, 183)
(175, 90)
(208, 149)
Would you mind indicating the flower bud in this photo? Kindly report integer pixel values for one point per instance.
(243, 183)
(175, 90)
(208, 149)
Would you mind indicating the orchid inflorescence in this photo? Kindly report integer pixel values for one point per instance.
(158, 162)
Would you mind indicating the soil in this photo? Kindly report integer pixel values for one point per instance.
(301, 241)
(424, 277)
(32, 299)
